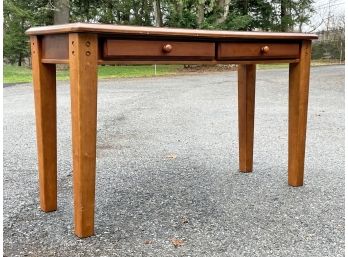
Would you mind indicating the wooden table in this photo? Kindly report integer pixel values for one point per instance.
(85, 46)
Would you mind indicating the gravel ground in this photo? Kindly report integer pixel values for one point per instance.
(167, 170)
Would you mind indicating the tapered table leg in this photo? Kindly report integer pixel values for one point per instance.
(298, 105)
(44, 79)
(246, 110)
(83, 80)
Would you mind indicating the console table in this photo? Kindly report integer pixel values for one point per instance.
(85, 46)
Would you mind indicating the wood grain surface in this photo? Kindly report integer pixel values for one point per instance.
(83, 80)
(44, 81)
(169, 32)
(247, 50)
(150, 49)
(298, 106)
(246, 111)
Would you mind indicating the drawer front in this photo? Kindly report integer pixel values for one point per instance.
(249, 51)
(173, 50)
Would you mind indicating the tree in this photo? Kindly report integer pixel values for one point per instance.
(224, 7)
(61, 12)
(200, 12)
(157, 13)
(284, 22)
(181, 14)
(84, 11)
(266, 15)
(293, 13)
(19, 15)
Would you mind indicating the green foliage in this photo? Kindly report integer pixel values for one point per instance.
(264, 15)
(302, 11)
(184, 19)
(127, 12)
(14, 40)
(19, 15)
(328, 50)
(242, 22)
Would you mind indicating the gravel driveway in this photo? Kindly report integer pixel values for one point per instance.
(167, 170)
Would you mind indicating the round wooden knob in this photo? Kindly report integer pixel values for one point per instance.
(265, 49)
(167, 48)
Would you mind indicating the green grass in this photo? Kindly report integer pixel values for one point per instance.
(135, 71)
(15, 74)
(285, 65)
(272, 66)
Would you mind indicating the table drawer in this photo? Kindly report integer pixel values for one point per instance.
(240, 50)
(142, 50)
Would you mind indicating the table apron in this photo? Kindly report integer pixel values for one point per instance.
(111, 50)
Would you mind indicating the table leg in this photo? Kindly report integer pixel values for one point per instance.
(44, 80)
(298, 105)
(83, 79)
(246, 110)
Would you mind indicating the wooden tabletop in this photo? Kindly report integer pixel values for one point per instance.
(153, 31)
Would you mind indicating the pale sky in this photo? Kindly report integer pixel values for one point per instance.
(325, 9)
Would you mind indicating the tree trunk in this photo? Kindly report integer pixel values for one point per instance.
(178, 6)
(111, 17)
(200, 13)
(283, 16)
(157, 13)
(61, 12)
(300, 25)
(147, 11)
(224, 5)
(20, 59)
(245, 7)
(118, 15)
